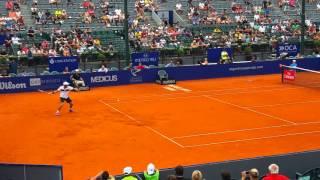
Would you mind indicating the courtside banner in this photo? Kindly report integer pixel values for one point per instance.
(214, 54)
(291, 49)
(60, 63)
(289, 74)
(146, 58)
(122, 77)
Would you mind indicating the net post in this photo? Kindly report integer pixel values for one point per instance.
(281, 71)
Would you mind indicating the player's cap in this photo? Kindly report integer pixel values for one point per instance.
(127, 170)
(77, 70)
(151, 169)
(65, 83)
(294, 61)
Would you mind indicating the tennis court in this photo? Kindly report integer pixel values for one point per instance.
(189, 123)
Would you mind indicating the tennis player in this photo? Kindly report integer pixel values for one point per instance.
(64, 96)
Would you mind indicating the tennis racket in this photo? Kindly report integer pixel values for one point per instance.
(42, 91)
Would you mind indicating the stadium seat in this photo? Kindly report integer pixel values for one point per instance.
(163, 75)
(45, 73)
(313, 174)
(12, 75)
(153, 66)
(31, 74)
(114, 69)
(54, 73)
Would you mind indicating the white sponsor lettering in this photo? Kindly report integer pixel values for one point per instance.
(288, 48)
(100, 79)
(245, 68)
(35, 82)
(9, 85)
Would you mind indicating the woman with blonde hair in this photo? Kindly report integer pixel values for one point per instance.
(197, 175)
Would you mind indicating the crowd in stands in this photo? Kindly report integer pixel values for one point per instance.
(152, 173)
(56, 41)
(251, 23)
(101, 12)
(264, 27)
(14, 20)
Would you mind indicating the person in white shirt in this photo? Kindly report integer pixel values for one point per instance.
(103, 69)
(64, 96)
(15, 40)
(178, 6)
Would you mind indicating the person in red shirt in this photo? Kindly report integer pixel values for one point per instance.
(9, 5)
(86, 4)
(25, 49)
(140, 66)
(274, 173)
(90, 11)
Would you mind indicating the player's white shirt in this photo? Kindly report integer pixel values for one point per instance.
(64, 92)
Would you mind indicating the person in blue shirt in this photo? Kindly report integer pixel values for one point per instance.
(294, 64)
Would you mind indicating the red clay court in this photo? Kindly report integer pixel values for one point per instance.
(190, 123)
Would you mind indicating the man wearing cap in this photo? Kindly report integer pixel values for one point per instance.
(77, 79)
(152, 173)
(128, 175)
(64, 96)
(294, 64)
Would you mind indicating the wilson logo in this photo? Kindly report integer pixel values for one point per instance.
(9, 85)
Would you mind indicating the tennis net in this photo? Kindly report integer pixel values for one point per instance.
(300, 76)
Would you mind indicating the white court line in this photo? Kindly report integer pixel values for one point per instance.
(179, 88)
(252, 139)
(194, 92)
(282, 104)
(267, 90)
(213, 90)
(244, 130)
(140, 123)
(148, 100)
(169, 88)
(248, 109)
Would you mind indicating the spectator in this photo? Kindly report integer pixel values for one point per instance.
(225, 58)
(197, 175)
(54, 2)
(140, 66)
(77, 80)
(70, 2)
(24, 49)
(299, 56)
(103, 175)
(170, 64)
(66, 70)
(179, 8)
(15, 40)
(8, 44)
(152, 173)
(110, 49)
(225, 175)
(9, 5)
(274, 173)
(204, 62)
(253, 174)
(103, 69)
(31, 33)
(172, 177)
(52, 53)
(128, 175)
(179, 173)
